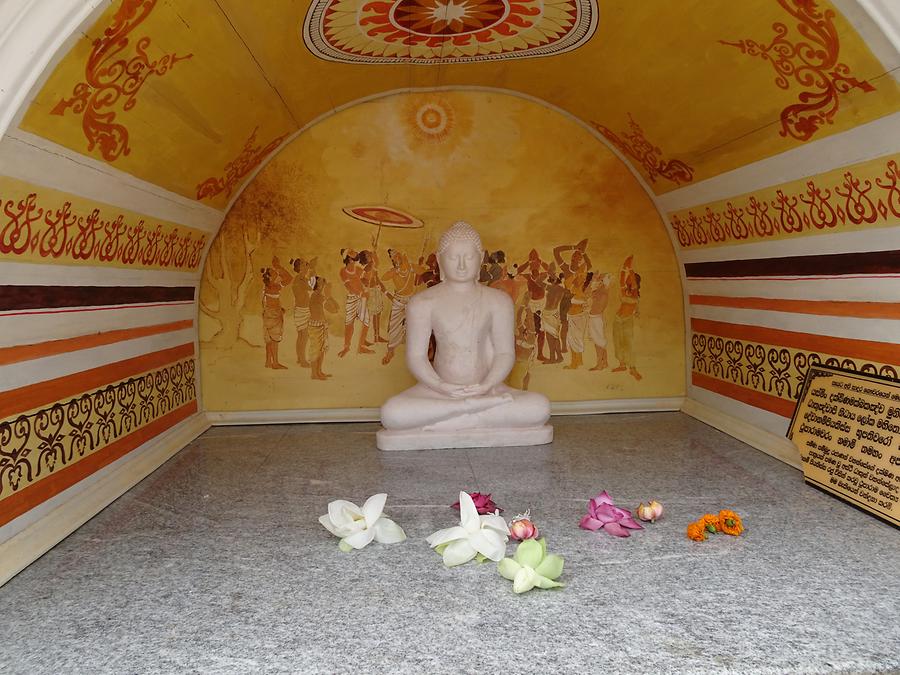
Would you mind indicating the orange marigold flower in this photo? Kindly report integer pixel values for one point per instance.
(711, 523)
(696, 532)
(731, 523)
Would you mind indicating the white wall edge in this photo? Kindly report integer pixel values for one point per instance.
(33, 33)
(625, 405)
(39, 161)
(776, 446)
(31, 543)
(872, 140)
(878, 23)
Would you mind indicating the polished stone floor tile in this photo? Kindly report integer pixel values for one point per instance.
(216, 564)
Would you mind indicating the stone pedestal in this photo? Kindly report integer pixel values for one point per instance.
(417, 439)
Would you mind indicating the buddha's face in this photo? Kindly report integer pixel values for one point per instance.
(460, 261)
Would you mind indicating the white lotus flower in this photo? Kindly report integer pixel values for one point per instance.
(357, 527)
(475, 534)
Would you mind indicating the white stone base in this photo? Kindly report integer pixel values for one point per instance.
(474, 438)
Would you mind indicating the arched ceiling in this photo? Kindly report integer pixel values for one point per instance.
(193, 95)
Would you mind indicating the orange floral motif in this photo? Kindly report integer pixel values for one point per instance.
(634, 144)
(111, 79)
(853, 202)
(696, 532)
(249, 158)
(813, 65)
(730, 523)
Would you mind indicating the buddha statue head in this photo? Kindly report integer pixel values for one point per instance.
(459, 253)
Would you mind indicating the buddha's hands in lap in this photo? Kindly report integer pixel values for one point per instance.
(464, 390)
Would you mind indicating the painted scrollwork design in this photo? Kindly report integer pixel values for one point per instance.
(812, 62)
(35, 228)
(857, 200)
(250, 157)
(778, 371)
(114, 78)
(634, 144)
(41, 442)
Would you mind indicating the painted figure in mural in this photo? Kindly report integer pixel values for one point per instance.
(574, 272)
(375, 292)
(304, 280)
(474, 326)
(431, 275)
(320, 301)
(550, 317)
(599, 300)
(535, 272)
(526, 343)
(623, 324)
(355, 307)
(577, 284)
(403, 276)
(274, 279)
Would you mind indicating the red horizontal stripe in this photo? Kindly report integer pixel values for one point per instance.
(40, 491)
(96, 309)
(757, 399)
(876, 352)
(860, 310)
(19, 400)
(21, 353)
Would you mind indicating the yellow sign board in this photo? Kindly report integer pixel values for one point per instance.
(847, 428)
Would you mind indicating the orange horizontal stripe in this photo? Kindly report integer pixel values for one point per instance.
(860, 310)
(28, 497)
(878, 352)
(52, 347)
(19, 400)
(757, 399)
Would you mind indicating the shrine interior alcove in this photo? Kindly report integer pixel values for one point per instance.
(176, 178)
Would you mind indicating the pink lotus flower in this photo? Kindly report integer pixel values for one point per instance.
(603, 514)
(521, 528)
(483, 503)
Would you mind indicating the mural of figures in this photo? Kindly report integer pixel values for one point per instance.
(274, 279)
(558, 215)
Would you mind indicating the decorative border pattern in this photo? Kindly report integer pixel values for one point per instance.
(248, 159)
(43, 231)
(111, 78)
(854, 203)
(552, 27)
(39, 443)
(634, 144)
(767, 369)
(813, 65)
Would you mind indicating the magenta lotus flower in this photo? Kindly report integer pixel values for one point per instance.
(483, 503)
(604, 515)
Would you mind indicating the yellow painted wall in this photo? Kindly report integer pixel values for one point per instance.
(220, 83)
(525, 176)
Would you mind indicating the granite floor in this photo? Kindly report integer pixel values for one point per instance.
(216, 563)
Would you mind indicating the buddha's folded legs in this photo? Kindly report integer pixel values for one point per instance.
(420, 408)
(416, 408)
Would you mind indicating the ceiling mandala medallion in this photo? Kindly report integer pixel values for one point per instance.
(446, 31)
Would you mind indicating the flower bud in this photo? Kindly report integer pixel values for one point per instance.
(522, 529)
(649, 512)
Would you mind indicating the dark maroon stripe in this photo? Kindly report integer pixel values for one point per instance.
(838, 264)
(48, 297)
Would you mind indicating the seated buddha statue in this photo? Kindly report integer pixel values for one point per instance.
(461, 399)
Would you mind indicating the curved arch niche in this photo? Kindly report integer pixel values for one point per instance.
(529, 178)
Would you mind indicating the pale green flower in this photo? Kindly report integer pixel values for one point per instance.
(532, 566)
